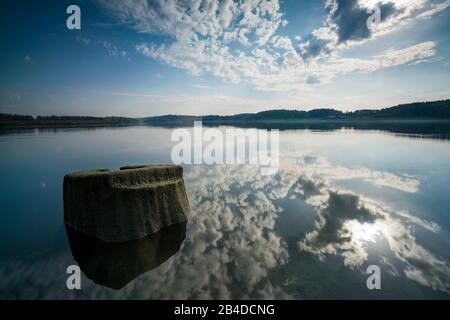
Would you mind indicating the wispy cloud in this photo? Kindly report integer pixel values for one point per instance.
(200, 86)
(111, 49)
(197, 104)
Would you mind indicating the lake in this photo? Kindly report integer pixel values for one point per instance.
(342, 200)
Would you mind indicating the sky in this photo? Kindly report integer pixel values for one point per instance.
(153, 57)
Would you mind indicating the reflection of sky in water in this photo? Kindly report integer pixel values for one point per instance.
(340, 202)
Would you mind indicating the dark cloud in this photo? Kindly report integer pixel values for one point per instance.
(339, 208)
(387, 10)
(350, 19)
(307, 187)
(314, 47)
(312, 79)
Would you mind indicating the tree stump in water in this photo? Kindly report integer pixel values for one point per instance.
(128, 204)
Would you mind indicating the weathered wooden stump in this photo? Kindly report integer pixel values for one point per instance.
(128, 204)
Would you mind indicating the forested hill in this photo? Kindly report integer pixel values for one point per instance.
(419, 110)
(437, 110)
(26, 120)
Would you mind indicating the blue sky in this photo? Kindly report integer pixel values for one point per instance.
(139, 58)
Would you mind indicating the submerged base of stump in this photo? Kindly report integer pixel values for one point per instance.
(128, 204)
(115, 264)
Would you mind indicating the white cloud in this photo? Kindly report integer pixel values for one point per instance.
(238, 41)
(435, 9)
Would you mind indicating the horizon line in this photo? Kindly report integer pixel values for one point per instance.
(225, 115)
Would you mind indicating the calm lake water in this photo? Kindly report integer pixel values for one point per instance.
(341, 201)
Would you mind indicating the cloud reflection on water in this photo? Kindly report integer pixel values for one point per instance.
(232, 248)
(346, 222)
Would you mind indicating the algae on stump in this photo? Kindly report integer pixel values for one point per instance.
(127, 204)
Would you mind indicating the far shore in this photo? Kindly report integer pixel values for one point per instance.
(81, 124)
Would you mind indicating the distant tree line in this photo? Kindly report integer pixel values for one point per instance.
(418, 110)
(14, 119)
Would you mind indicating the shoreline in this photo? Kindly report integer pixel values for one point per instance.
(139, 122)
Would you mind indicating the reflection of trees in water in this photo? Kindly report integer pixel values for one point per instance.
(416, 129)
